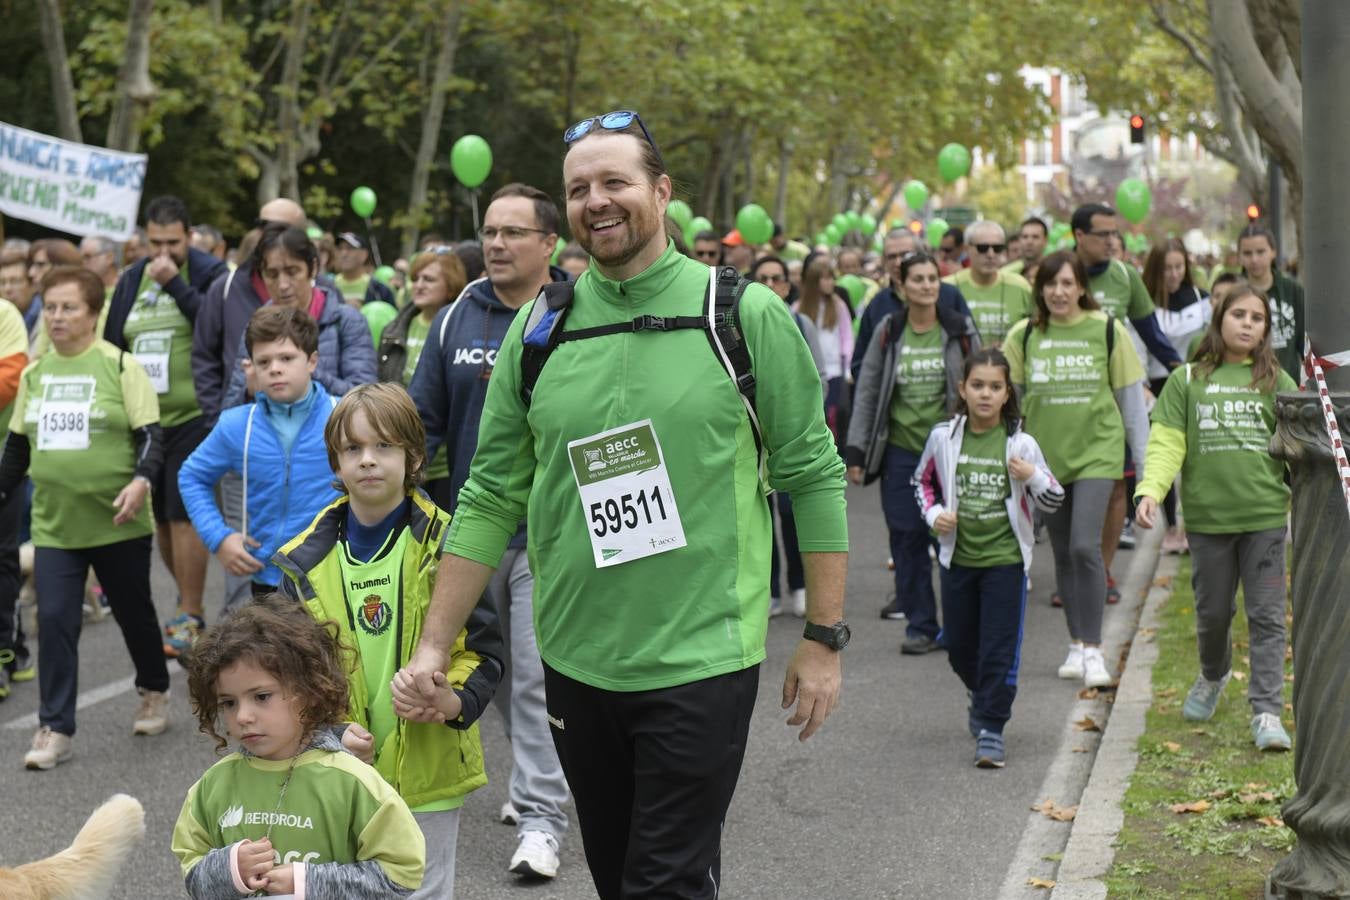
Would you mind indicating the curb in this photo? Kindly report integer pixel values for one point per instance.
(1074, 769)
(1091, 846)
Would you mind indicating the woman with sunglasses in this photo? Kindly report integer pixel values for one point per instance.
(907, 384)
(1081, 387)
(437, 280)
(771, 272)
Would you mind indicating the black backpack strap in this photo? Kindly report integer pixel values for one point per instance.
(543, 331)
(1110, 337)
(729, 344)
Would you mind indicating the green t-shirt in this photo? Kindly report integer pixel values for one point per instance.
(416, 340)
(1121, 292)
(353, 291)
(160, 337)
(984, 534)
(1069, 402)
(919, 400)
(995, 307)
(1229, 481)
(13, 342)
(78, 413)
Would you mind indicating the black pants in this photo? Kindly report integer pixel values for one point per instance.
(652, 773)
(123, 569)
(792, 553)
(982, 613)
(11, 626)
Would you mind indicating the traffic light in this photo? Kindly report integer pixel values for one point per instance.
(1136, 129)
(1253, 212)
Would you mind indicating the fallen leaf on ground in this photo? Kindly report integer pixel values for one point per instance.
(1289, 678)
(1087, 723)
(1088, 694)
(1257, 797)
(1289, 707)
(1165, 581)
(1200, 731)
(1081, 750)
(1171, 746)
(1247, 661)
(1167, 692)
(1255, 785)
(1239, 676)
(1271, 821)
(1052, 810)
(1195, 806)
(1219, 793)
(1040, 882)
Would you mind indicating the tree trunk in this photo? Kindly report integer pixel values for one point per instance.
(1246, 154)
(432, 114)
(1272, 107)
(290, 137)
(269, 178)
(780, 199)
(63, 88)
(135, 90)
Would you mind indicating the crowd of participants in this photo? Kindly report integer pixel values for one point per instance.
(990, 388)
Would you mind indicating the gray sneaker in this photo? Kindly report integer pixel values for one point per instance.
(1203, 698)
(1268, 733)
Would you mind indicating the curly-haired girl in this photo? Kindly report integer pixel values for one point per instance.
(289, 811)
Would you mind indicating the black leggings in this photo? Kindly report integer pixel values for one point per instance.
(123, 569)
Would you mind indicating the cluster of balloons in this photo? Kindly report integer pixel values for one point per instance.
(845, 222)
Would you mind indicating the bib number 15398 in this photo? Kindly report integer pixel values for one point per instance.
(625, 494)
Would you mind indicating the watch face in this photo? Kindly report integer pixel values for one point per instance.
(841, 636)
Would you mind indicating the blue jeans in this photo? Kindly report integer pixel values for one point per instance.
(909, 543)
(982, 612)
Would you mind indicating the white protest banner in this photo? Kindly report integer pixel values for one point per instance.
(71, 187)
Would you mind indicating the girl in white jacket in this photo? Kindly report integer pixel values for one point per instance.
(976, 481)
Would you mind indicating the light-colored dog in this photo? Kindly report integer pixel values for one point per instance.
(89, 867)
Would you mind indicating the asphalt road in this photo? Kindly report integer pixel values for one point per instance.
(883, 803)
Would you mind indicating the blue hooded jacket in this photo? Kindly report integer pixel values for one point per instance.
(451, 379)
(284, 491)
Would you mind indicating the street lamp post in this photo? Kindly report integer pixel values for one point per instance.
(1319, 813)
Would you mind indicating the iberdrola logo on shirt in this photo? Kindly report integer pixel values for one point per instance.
(374, 615)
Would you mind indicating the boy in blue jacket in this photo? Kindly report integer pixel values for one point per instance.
(275, 444)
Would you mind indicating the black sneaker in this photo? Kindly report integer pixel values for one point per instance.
(892, 610)
(918, 646)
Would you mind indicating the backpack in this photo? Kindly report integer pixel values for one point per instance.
(721, 323)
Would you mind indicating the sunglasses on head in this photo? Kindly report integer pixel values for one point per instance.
(611, 121)
(989, 248)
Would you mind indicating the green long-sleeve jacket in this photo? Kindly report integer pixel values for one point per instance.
(689, 613)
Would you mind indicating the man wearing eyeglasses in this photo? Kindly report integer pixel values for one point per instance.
(997, 299)
(519, 233)
(898, 243)
(636, 460)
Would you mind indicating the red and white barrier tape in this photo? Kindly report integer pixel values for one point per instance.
(1313, 364)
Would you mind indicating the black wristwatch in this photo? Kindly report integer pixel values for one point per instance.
(833, 636)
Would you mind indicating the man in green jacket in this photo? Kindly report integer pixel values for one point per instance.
(637, 463)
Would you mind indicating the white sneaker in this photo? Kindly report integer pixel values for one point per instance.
(537, 855)
(776, 607)
(49, 748)
(1072, 667)
(508, 814)
(799, 603)
(153, 715)
(1095, 674)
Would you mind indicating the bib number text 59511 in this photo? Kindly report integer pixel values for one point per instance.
(612, 515)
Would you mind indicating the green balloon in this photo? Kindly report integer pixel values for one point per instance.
(314, 232)
(1059, 230)
(854, 286)
(953, 162)
(378, 314)
(833, 233)
(854, 220)
(754, 224)
(471, 160)
(869, 224)
(384, 274)
(937, 227)
(916, 197)
(696, 225)
(1133, 199)
(821, 238)
(840, 222)
(897, 223)
(363, 201)
(679, 212)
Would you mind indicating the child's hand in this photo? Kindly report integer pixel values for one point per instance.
(234, 556)
(411, 703)
(1020, 469)
(448, 703)
(945, 523)
(255, 861)
(855, 474)
(281, 880)
(359, 743)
